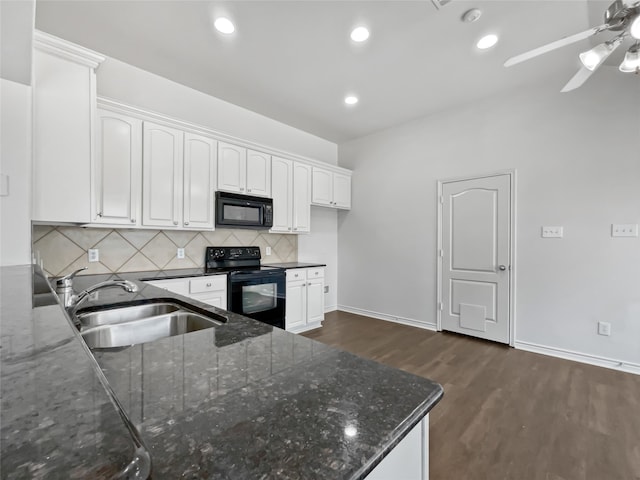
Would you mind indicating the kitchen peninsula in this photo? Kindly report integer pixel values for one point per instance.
(241, 400)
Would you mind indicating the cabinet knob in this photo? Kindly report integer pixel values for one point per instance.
(241, 189)
(186, 223)
(99, 214)
(248, 190)
(175, 222)
(208, 284)
(296, 274)
(133, 220)
(295, 229)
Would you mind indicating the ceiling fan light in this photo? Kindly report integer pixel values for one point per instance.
(592, 59)
(634, 29)
(631, 61)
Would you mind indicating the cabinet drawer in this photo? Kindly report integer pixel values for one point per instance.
(179, 286)
(296, 274)
(208, 284)
(315, 273)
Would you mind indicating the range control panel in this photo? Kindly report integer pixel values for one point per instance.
(222, 254)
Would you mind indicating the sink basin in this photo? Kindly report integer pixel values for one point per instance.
(125, 314)
(129, 325)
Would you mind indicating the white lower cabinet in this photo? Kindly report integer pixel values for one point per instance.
(305, 299)
(409, 460)
(210, 289)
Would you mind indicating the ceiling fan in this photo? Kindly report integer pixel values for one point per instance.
(622, 17)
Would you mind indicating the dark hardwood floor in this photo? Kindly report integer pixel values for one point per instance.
(506, 413)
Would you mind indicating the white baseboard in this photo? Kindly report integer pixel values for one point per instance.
(389, 318)
(579, 357)
(330, 308)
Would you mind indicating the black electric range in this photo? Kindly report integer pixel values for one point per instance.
(253, 290)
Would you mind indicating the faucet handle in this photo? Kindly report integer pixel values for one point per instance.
(67, 280)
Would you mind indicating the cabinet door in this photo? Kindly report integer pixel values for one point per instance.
(63, 95)
(322, 187)
(162, 176)
(301, 198)
(199, 181)
(315, 300)
(258, 173)
(281, 178)
(296, 305)
(342, 190)
(232, 168)
(116, 169)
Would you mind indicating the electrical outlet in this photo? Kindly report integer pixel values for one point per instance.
(604, 328)
(180, 253)
(627, 230)
(94, 255)
(552, 232)
(267, 251)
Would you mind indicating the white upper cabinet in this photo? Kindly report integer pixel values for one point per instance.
(117, 165)
(232, 168)
(161, 176)
(281, 187)
(243, 171)
(331, 189)
(291, 190)
(258, 173)
(301, 198)
(64, 96)
(199, 181)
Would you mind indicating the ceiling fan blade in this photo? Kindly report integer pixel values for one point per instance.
(584, 73)
(578, 79)
(554, 45)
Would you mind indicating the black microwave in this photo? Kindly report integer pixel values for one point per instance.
(243, 211)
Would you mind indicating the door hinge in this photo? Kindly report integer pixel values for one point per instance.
(441, 199)
(440, 306)
(441, 252)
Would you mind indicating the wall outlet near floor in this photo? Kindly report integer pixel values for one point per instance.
(624, 230)
(552, 232)
(267, 251)
(93, 254)
(180, 253)
(604, 328)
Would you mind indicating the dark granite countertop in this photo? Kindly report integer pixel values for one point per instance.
(242, 400)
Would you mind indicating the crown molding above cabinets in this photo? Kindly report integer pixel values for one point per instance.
(69, 51)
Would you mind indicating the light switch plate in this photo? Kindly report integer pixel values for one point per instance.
(552, 232)
(624, 230)
(180, 253)
(268, 251)
(94, 255)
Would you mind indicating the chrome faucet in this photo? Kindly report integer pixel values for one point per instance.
(76, 300)
(64, 288)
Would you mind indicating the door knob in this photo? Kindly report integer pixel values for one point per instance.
(502, 267)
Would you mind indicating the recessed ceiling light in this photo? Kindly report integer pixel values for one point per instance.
(351, 100)
(359, 34)
(487, 41)
(224, 25)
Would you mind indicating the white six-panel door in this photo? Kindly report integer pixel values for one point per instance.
(475, 271)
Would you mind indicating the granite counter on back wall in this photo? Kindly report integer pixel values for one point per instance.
(245, 400)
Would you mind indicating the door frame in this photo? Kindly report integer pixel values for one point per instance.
(512, 246)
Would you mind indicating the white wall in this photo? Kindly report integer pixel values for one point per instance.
(143, 89)
(15, 162)
(578, 164)
(320, 246)
(126, 83)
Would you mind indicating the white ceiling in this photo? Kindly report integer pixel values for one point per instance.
(293, 61)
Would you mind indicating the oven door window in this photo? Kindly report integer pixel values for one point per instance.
(242, 214)
(259, 298)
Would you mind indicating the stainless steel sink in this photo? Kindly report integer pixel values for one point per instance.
(125, 314)
(130, 325)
